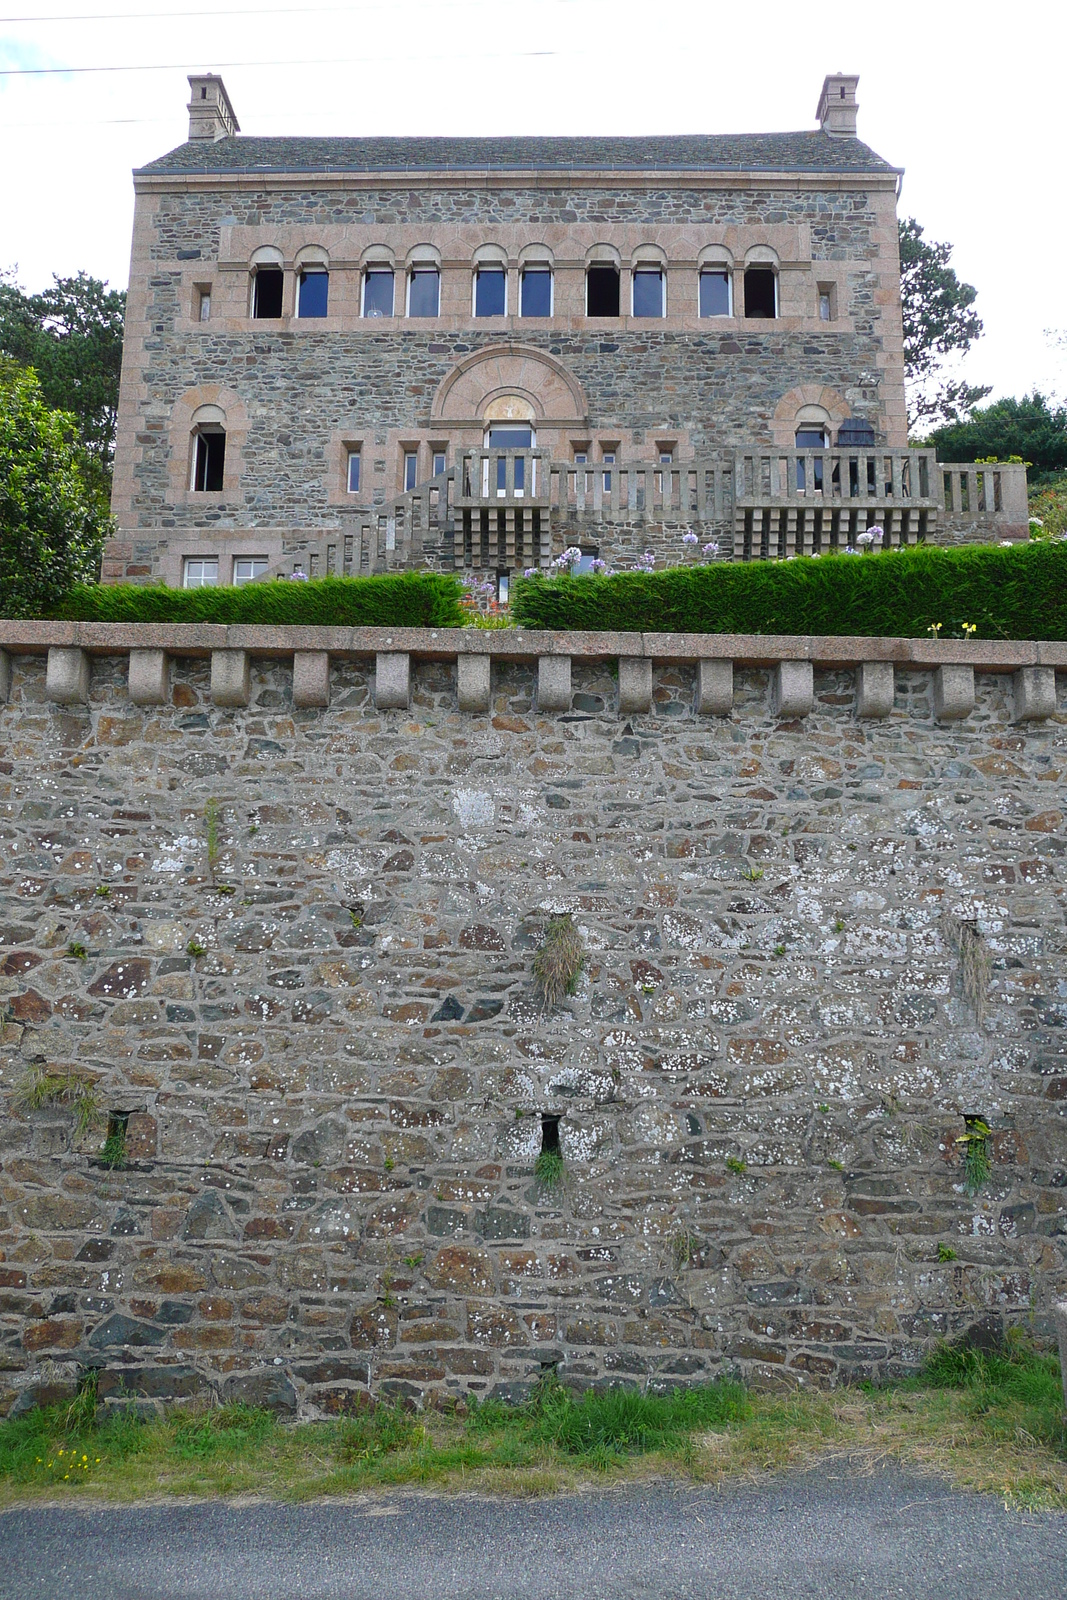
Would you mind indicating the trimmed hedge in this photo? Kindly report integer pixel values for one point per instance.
(387, 600)
(1016, 593)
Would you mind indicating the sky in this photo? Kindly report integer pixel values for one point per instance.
(968, 98)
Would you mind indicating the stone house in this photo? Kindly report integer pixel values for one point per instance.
(355, 354)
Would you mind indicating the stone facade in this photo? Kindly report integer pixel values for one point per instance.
(296, 395)
(293, 944)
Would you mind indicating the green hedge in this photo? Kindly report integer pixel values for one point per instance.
(388, 600)
(1016, 593)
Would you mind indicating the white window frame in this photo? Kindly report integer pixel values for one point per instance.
(763, 266)
(539, 266)
(311, 269)
(649, 267)
(201, 579)
(440, 463)
(411, 469)
(608, 460)
(422, 267)
(259, 565)
(721, 270)
(378, 269)
(487, 266)
(353, 454)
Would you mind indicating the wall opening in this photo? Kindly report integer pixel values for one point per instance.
(549, 1132)
(602, 291)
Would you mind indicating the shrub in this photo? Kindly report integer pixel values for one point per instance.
(387, 600)
(53, 522)
(1016, 593)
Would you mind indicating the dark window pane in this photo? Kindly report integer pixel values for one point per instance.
(510, 436)
(210, 461)
(536, 292)
(354, 464)
(378, 294)
(648, 293)
(714, 294)
(811, 439)
(314, 294)
(602, 287)
(424, 298)
(759, 292)
(489, 285)
(267, 292)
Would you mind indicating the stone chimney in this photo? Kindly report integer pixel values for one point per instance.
(210, 112)
(837, 105)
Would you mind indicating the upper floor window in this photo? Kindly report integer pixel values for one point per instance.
(313, 293)
(490, 291)
(247, 568)
(203, 303)
(200, 572)
(608, 458)
(378, 292)
(411, 469)
(649, 292)
(602, 290)
(267, 282)
(535, 292)
(827, 297)
(715, 299)
(209, 457)
(761, 291)
(440, 461)
(354, 471)
(424, 292)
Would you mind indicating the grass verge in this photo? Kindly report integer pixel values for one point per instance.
(1016, 593)
(386, 600)
(992, 1423)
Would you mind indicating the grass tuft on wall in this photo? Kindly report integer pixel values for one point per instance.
(1002, 593)
(386, 600)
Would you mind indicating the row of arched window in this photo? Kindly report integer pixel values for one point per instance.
(719, 286)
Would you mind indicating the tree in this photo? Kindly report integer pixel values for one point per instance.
(53, 520)
(1031, 428)
(71, 335)
(938, 321)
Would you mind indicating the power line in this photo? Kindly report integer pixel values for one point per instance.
(332, 61)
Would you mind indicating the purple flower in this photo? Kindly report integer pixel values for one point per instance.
(711, 549)
(689, 538)
(298, 576)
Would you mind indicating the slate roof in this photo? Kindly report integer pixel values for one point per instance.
(762, 152)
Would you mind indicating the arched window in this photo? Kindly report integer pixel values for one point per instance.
(209, 450)
(490, 289)
(535, 283)
(424, 283)
(812, 433)
(715, 288)
(268, 281)
(649, 283)
(313, 282)
(761, 283)
(378, 283)
(602, 283)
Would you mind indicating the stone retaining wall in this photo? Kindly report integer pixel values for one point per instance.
(291, 944)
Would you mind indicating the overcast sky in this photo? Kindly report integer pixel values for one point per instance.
(969, 98)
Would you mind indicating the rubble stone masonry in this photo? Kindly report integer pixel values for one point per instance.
(295, 947)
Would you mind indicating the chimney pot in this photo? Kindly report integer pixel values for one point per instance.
(210, 112)
(837, 105)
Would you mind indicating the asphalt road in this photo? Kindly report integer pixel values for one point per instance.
(827, 1535)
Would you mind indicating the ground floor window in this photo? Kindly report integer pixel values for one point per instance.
(245, 568)
(200, 572)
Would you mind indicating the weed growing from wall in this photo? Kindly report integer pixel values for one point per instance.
(558, 964)
(975, 1144)
(975, 961)
(39, 1088)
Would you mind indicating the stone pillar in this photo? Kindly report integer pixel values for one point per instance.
(953, 693)
(474, 682)
(793, 689)
(231, 678)
(67, 679)
(149, 677)
(635, 684)
(311, 678)
(392, 680)
(715, 688)
(1035, 694)
(554, 683)
(5, 677)
(875, 688)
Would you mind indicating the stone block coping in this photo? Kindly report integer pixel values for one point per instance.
(791, 658)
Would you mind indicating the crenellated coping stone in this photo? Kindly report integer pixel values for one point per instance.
(474, 682)
(311, 679)
(1035, 693)
(5, 677)
(392, 680)
(67, 677)
(231, 678)
(553, 683)
(149, 677)
(793, 690)
(875, 688)
(635, 684)
(715, 688)
(953, 693)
